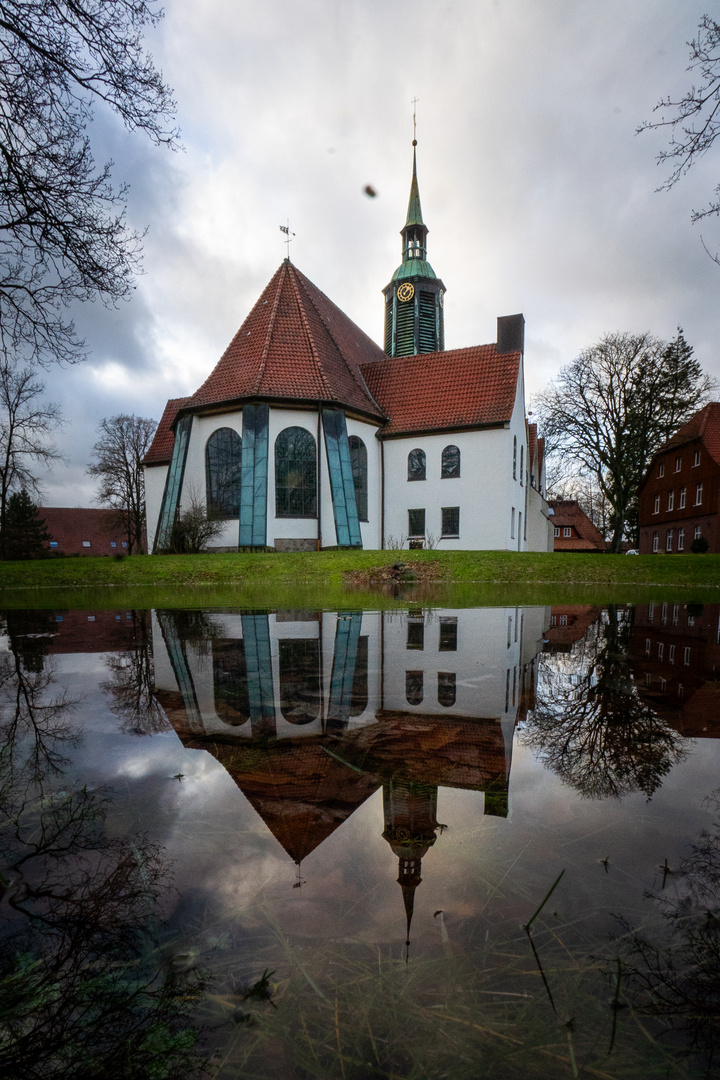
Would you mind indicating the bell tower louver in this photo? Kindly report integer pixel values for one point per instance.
(414, 297)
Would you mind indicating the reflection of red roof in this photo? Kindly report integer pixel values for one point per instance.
(295, 344)
(299, 790)
(161, 447)
(459, 388)
(568, 513)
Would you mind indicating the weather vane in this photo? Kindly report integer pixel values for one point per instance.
(286, 229)
(414, 105)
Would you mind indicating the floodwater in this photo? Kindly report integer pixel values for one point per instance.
(416, 844)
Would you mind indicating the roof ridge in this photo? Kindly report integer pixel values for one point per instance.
(316, 355)
(268, 335)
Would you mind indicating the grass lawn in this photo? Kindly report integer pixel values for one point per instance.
(359, 578)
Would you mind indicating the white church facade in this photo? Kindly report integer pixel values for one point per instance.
(306, 435)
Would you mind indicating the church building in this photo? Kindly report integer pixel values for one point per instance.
(306, 435)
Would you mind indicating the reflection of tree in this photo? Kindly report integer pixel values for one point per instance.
(675, 976)
(590, 725)
(131, 685)
(34, 724)
(83, 992)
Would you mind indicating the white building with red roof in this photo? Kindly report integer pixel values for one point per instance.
(307, 435)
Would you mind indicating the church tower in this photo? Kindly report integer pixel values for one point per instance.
(414, 297)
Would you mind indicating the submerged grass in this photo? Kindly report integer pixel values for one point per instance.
(333, 579)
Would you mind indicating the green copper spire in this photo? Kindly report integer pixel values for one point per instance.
(414, 214)
(414, 297)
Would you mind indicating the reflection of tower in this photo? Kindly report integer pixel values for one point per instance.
(410, 813)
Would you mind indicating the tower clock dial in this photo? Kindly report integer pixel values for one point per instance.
(406, 291)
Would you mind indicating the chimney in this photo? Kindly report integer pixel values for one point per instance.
(511, 333)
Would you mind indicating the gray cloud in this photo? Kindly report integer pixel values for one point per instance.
(538, 194)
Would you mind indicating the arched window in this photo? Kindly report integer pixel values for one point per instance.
(446, 688)
(515, 457)
(359, 700)
(416, 465)
(522, 466)
(414, 687)
(358, 460)
(299, 679)
(295, 474)
(222, 472)
(450, 462)
(232, 702)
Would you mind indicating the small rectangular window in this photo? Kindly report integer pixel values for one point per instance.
(556, 531)
(661, 468)
(661, 650)
(676, 612)
(698, 495)
(656, 506)
(697, 458)
(53, 543)
(656, 539)
(567, 531)
(113, 544)
(448, 635)
(648, 678)
(697, 533)
(59, 618)
(683, 496)
(450, 520)
(671, 500)
(86, 543)
(124, 543)
(651, 612)
(563, 620)
(647, 646)
(681, 539)
(678, 464)
(686, 655)
(680, 689)
(91, 618)
(671, 654)
(416, 523)
(668, 540)
(415, 634)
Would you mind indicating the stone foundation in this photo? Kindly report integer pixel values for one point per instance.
(296, 545)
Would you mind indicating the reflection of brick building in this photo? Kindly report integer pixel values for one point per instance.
(679, 496)
(675, 651)
(568, 624)
(572, 528)
(74, 631)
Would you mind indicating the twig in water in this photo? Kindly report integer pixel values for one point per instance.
(526, 928)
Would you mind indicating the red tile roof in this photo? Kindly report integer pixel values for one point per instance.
(161, 447)
(444, 390)
(295, 344)
(567, 512)
(70, 526)
(704, 425)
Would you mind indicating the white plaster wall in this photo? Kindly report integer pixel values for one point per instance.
(481, 491)
(481, 662)
(540, 529)
(154, 486)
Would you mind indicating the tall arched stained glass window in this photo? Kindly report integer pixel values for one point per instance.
(416, 465)
(450, 465)
(223, 452)
(295, 474)
(358, 460)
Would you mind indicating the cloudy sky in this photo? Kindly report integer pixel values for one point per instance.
(538, 194)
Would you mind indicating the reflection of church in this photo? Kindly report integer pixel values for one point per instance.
(311, 712)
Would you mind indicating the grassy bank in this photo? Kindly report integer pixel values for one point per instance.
(337, 578)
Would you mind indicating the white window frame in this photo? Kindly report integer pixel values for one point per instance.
(698, 494)
(683, 496)
(671, 500)
(656, 509)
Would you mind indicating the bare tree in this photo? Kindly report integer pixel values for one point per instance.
(25, 425)
(119, 452)
(611, 409)
(63, 235)
(694, 122)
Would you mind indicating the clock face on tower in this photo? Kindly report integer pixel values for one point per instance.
(406, 291)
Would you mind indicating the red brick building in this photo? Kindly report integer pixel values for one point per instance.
(679, 494)
(84, 531)
(573, 529)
